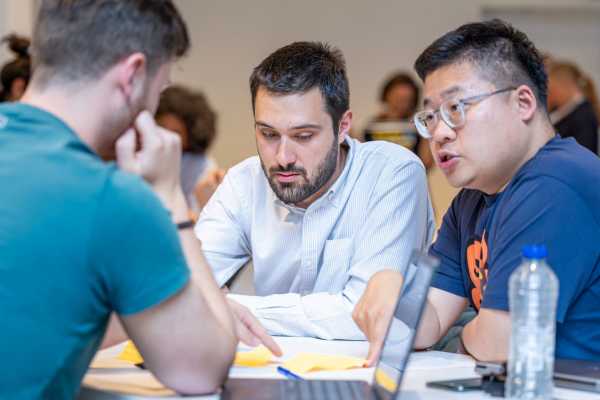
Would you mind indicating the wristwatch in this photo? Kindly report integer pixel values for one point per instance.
(185, 224)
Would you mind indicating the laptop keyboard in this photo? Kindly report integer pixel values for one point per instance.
(321, 389)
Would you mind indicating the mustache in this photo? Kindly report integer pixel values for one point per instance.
(289, 168)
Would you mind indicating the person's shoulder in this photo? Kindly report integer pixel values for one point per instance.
(387, 154)
(246, 172)
(586, 110)
(246, 166)
(563, 175)
(564, 163)
(123, 189)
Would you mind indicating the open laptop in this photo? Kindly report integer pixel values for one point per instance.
(394, 356)
(577, 375)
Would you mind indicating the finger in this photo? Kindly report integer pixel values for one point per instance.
(212, 178)
(146, 126)
(360, 319)
(171, 141)
(261, 334)
(220, 174)
(245, 335)
(268, 341)
(125, 149)
(373, 355)
(376, 336)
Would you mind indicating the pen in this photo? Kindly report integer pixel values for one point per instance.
(289, 374)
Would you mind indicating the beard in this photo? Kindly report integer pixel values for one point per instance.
(296, 192)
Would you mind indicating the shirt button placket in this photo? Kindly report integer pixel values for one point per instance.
(308, 266)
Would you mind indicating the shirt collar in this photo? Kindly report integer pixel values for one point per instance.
(41, 117)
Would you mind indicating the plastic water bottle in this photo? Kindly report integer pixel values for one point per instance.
(533, 293)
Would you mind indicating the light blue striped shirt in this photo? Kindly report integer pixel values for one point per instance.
(312, 265)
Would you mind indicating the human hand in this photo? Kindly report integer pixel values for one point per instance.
(249, 330)
(207, 186)
(158, 160)
(375, 309)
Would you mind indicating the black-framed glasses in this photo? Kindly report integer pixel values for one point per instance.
(452, 112)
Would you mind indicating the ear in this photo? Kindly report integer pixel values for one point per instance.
(17, 88)
(344, 126)
(526, 103)
(131, 73)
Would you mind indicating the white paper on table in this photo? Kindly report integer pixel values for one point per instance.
(428, 360)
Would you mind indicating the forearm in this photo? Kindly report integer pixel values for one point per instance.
(429, 331)
(441, 312)
(201, 274)
(485, 339)
(177, 336)
(321, 315)
(115, 333)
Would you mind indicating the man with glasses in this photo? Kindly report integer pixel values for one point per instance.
(486, 119)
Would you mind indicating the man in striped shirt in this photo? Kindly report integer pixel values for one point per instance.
(316, 211)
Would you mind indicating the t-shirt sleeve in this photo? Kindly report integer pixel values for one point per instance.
(543, 210)
(448, 276)
(135, 247)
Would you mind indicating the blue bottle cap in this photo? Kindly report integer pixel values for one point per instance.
(534, 251)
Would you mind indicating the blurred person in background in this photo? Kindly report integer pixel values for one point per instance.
(16, 73)
(188, 113)
(573, 103)
(399, 97)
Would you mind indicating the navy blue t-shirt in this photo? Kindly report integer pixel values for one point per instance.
(553, 199)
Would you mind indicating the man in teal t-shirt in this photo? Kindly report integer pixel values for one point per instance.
(78, 239)
(81, 238)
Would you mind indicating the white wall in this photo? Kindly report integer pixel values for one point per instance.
(231, 37)
(377, 37)
(15, 16)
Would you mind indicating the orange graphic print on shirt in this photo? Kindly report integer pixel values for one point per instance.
(477, 256)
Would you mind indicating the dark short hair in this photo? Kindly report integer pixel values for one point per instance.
(192, 108)
(301, 66)
(502, 54)
(19, 67)
(76, 39)
(397, 79)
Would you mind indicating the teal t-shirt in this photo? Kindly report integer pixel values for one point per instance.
(78, 239)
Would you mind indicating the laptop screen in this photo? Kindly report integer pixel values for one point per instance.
(402, 329)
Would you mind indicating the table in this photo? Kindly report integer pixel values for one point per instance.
(422, 367)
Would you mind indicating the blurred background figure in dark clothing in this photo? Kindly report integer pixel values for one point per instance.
(399, 97)
(573, 103)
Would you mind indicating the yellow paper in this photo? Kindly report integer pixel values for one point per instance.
(131, 354)
(305, 362)
(141, 383)
(385, 381)
(257, 357)
(110, 363)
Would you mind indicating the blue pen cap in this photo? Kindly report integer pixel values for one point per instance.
(534, 251)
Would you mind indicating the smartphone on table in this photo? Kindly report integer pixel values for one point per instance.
(457, 385)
